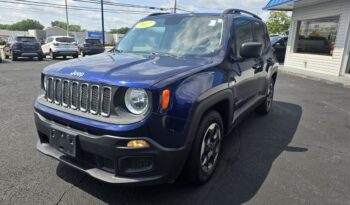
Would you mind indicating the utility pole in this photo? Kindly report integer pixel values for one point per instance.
(67, 22)
(175, 6)
(103, 24)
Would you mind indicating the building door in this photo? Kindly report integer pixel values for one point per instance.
(348, 66)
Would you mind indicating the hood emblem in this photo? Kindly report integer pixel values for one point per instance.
(77, 74)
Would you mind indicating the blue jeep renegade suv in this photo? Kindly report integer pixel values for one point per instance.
(161, 102)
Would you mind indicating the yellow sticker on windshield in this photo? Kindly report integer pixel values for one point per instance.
(145, 24)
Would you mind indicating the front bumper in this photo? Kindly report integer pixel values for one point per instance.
(104, 157)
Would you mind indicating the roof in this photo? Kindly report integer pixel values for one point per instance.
(282, 5)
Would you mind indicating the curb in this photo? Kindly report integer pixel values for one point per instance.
(330, 82)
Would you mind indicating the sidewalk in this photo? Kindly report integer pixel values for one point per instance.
(330, 79)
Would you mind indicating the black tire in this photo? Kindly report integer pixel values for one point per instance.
(7, 57)
(198, 170)
(52, 55)
(75, 56)
(265, 107)
(41, 58)
(14, 57)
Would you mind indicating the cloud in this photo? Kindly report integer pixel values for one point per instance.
(91, 20)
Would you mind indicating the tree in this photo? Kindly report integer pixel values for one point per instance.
(23, 25)
(121, 30)
(278, 22)
(63, 25)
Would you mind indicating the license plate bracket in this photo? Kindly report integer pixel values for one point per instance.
(63, 142)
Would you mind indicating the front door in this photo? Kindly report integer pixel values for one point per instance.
(243, 71)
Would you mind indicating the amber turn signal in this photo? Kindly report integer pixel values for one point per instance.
(137, 144)
(165, 99)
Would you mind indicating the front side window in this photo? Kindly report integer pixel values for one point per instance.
(317, 36)
(243, 33)
(175, 35)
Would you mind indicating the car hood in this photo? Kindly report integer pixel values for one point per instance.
(125, 69)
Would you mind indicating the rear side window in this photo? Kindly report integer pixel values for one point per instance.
(243, 33)
(65, 40)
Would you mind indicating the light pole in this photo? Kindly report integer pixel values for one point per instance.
(175, 6)
(103, 24)
(67, 22)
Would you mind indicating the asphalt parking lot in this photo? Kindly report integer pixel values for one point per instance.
(298, 154)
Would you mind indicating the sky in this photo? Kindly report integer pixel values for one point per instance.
(91, 20)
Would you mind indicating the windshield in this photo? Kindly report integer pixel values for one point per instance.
(175, 35)
(26, 39)
(65, 40)
(274, 39)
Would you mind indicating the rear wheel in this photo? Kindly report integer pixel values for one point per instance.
(265, 107)
(14, 56)
(52, 55)
(206, 149)
(75, 55)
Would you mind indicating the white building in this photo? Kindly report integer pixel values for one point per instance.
(319, 37)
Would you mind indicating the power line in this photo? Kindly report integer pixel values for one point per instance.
(77, 8)
(123, 4)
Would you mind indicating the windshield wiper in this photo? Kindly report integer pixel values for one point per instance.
(164, 54)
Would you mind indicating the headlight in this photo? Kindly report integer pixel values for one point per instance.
(136, 100)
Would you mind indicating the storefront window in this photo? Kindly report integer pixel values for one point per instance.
(317, 36)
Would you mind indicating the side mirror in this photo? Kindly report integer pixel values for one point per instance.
(251, 50)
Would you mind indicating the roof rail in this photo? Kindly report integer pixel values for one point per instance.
(157, 14)
(239, 11)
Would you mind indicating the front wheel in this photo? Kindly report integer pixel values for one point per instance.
(266, 105)
(206, 149)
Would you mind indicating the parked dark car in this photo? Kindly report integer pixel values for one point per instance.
(279, 43)
(162, 101)
(91, 46)
(23, 46)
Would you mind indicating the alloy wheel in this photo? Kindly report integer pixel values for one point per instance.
(210, 148)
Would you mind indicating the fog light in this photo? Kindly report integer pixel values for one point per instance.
(137, 144)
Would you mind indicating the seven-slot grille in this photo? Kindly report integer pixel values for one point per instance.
(86, 97)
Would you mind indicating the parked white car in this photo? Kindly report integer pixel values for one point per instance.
(60, 46)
